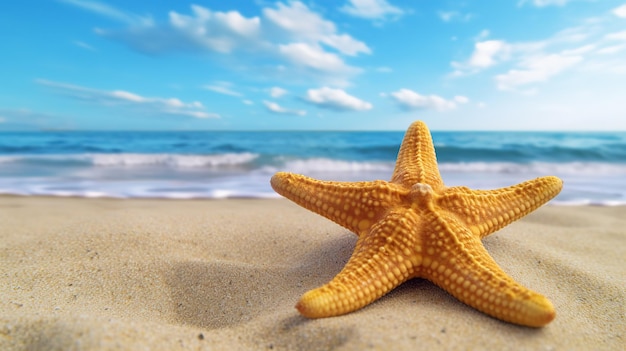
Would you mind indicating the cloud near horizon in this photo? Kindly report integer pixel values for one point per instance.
(27, 119)
(535, 70)
(336, 99)
(149, 105)
(277, 109)
(410, 100)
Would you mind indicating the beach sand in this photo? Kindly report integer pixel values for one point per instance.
(100, 274)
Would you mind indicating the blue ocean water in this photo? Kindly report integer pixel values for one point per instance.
(240, 164)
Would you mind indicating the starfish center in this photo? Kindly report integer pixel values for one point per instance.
(421, 195)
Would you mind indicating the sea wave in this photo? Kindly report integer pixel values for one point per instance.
(135, 159)
(231, 189)
(228, 159)
(539, 168)
(240, 164)
(326, 165)
(227, 175)
(267, 164)
(529, 153)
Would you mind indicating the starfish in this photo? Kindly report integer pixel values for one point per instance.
(415, 227)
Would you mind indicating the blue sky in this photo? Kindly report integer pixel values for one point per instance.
(357, 64)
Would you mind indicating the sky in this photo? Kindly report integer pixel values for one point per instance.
(313, 65)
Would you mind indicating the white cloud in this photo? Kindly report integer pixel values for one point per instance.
(109, 11)
(222, 88)
(217, 31)
(610, 50)
(314, 57)
(446, 16)
(487, 53)
(194, 114)
(346, 44)
(449, 16)
(276, 108)
(336, 99)
(461, 99)
(150, 105)
(616, 35)
(579, 50)
(620, 11)
(543, 3)
(371, 9)
(84, 45)
(125, 95)
(410, 100)
(572, 35)
(484, 34)
(300, 24)
(277, 92)
(289, 32)
(537, 69)
(586, 47)
(297, 20)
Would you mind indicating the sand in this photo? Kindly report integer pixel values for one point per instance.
(106, 274)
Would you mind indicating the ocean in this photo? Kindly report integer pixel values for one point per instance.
(184, 165)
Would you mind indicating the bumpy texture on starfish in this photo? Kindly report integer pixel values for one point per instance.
(415, 226)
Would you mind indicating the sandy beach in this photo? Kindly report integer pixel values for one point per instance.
(107, 274)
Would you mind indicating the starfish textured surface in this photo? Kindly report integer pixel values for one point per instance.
(415, 226)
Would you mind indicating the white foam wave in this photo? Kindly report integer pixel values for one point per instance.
(573, 168)
(224, 193)
(325, 165)
(8, 159)
(174, 160)
(135, 159)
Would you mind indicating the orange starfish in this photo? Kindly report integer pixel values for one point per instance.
(415, 226)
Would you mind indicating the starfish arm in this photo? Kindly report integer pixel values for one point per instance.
(417, 162)
(464, 268)
(486, 211)
(354, 206)
(381, 261)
